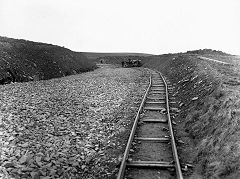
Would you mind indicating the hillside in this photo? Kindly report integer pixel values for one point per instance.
(94, 56)
(158, 61)
(22, 60)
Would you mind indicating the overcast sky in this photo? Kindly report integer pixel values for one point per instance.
(150, 26)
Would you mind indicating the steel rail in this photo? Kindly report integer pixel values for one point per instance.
(130, 139)
(174, 148)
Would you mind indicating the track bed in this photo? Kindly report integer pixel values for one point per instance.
(151, 150)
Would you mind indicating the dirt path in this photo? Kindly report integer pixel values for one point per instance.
(205, 58)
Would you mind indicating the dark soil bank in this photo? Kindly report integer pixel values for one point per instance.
(22, 60)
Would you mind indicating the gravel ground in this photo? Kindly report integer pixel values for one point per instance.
(71, 127)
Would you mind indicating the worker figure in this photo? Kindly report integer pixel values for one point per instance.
(122, 63)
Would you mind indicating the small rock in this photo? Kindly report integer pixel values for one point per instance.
(119, 158)
(181, 104)
(8, 165)
(23, 159)
(122, 129)
(185, 168)
(175, 110)
(195, 98)
(130, 159)
(83, 166)
(35, 175)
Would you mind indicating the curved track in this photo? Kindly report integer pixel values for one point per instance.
(151, 150)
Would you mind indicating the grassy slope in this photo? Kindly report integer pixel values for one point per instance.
(212, 120)
(214, 123)
(22, 60)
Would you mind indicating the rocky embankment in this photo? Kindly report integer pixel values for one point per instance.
(70, 127)
(22, 60)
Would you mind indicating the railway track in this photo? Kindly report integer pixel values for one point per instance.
(151, 149)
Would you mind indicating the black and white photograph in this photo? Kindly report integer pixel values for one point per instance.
(119, 89)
